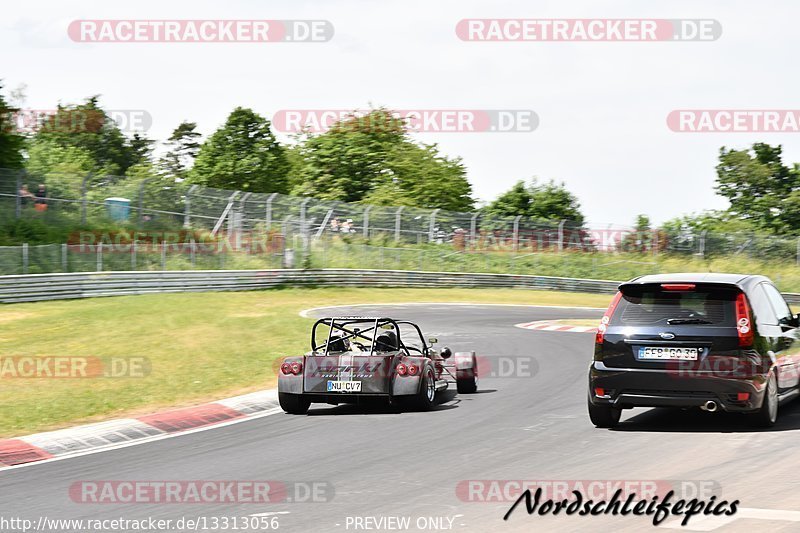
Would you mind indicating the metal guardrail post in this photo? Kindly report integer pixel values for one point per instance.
(238, 220)
(141, 199)
(432, 225)
(83, 197)
(304, 227)
(17, 197)
(268, 207)
(366, 221)
(516, 232)
(397, 223)
(473, 229)
(187, 208)
(24, 257)
(224, 214)
(701, 248)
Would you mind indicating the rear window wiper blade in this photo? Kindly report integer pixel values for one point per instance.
(688, 321)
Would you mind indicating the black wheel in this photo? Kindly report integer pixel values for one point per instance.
(767, 414)
(604, 416)
(467, 385)
(294, 404)
(423, 400)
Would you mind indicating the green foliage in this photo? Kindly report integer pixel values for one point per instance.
(244, 155)
(183, 147)
(546, 201)
(11, 142)
(90, 130)
(760, 188)
(372, 159)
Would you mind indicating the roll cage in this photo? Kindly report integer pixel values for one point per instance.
(348, 326)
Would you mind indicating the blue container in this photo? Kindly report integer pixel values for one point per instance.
(119, 209)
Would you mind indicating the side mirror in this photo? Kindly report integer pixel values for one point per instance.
(432, 340)
(446, 353)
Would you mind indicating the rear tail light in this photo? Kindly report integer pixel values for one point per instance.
(402, 369)
(412, 370)
(744, 326)
(601, 329)
(286, 368)
(599, 391)
(297, 368)
(743, 396)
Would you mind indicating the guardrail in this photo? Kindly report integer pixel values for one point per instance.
(39, 287)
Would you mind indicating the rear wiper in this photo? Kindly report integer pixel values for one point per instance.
(688, 321)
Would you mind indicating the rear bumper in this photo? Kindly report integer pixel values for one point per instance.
(633, 387)
(336, 398)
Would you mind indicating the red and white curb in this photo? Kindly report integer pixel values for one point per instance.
(111, 434)
(549, 325)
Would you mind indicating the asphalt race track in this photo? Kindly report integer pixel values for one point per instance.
(531, 425)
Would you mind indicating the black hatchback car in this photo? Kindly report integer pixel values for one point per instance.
(713, 341)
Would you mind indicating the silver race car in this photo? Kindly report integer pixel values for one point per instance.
(358, 359)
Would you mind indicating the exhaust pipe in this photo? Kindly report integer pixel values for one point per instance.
(709, 406)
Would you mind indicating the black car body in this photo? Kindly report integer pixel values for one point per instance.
(714, 341)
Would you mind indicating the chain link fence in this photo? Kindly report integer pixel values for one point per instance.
(67, 202)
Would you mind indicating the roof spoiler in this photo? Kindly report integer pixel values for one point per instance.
(677, 285)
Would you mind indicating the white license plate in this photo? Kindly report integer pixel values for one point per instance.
(664, 353)
(344, 386)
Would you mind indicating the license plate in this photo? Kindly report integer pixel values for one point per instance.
(344, 386)
(664, 353)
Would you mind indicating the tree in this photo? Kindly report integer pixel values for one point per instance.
(757, 184)
(183, 147)
(89, 128)
(547, 201)
(642, 236)
(243, 154)
(372, 159)
(11, 142)
(140, 149)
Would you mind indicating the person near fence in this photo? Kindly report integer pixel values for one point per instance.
(25, 195)
(41, 198)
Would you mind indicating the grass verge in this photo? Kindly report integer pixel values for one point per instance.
(200, 346)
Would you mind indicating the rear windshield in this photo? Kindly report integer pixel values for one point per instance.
(652, 305)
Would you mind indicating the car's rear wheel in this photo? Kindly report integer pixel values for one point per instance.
(604, 416)
(294, 404)
(767, 415)
(467, 385)
(424, 399)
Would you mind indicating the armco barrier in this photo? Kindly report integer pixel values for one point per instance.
(38, 287)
